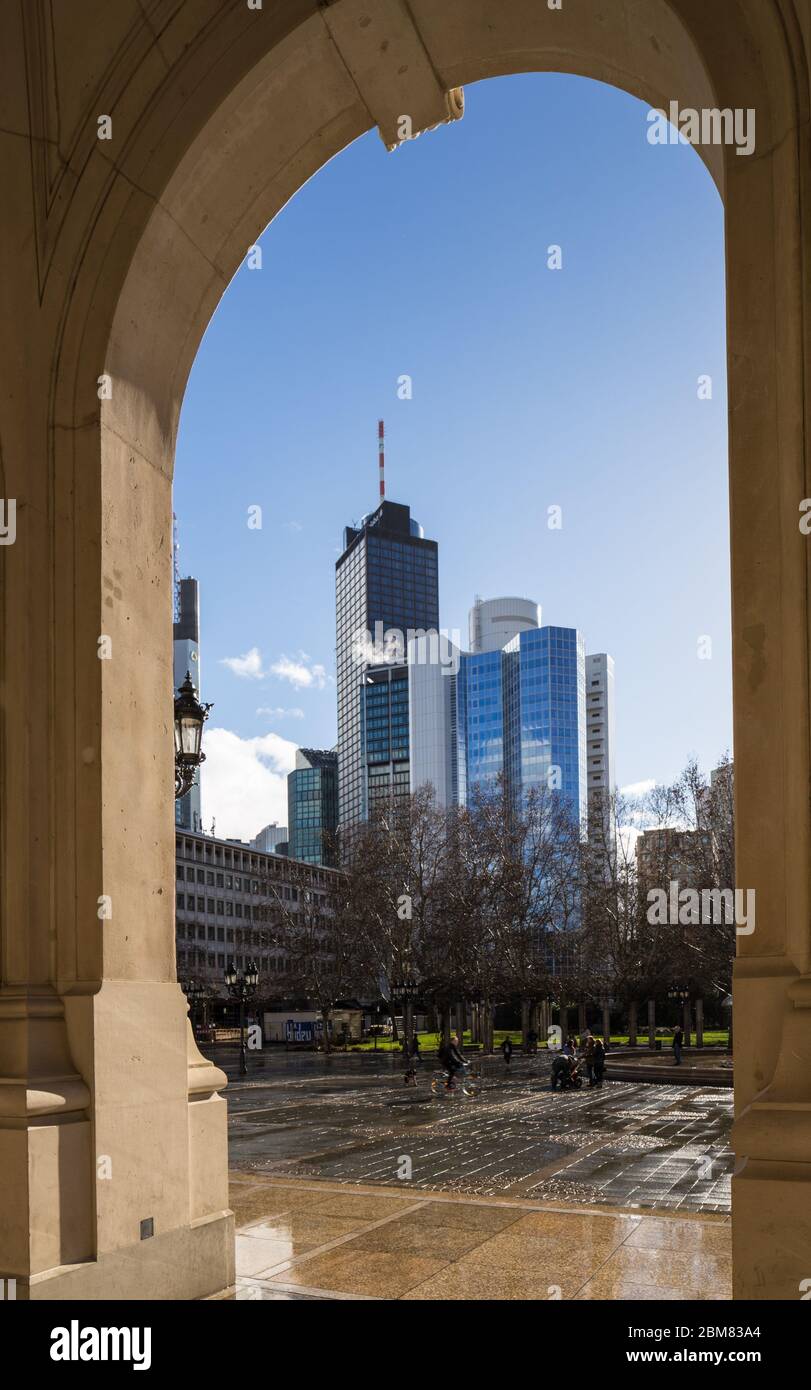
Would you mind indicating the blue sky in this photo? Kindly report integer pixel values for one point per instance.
(532, 388)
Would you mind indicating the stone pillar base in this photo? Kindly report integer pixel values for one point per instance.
(189, 1263)
(771, 1231)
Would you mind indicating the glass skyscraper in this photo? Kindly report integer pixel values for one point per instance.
(521, 714)
(312, 806)
(386, 586)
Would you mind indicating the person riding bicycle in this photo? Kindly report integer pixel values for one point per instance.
(450, 1056)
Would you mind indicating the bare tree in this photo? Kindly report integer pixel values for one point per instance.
(314, 925)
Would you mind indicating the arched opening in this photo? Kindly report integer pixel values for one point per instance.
(245, 116)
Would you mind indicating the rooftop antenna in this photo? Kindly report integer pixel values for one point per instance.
(381, 459)
(175, 569)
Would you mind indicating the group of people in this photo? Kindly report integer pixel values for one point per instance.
(590, 1054)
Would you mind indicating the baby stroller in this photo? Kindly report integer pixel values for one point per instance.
(565, 1072)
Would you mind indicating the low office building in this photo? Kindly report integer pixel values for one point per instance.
(229, 899)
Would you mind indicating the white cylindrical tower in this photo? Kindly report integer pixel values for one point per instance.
(493, 622)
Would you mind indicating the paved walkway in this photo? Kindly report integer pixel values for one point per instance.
(299, 1240)
(349, 1119)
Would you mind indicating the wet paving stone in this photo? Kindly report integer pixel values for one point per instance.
(347, 1118)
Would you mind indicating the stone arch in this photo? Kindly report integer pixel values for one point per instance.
(217, 120)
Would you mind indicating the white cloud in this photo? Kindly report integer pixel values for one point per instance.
(635, 789)
(302, 673)
(279, 713)
(293, 526)
(249, 666)
(243, 782)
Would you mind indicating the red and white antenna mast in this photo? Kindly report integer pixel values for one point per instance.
(381, 458)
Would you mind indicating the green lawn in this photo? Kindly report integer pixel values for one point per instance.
(430, 1041)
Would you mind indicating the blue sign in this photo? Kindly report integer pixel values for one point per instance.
(296, 1031)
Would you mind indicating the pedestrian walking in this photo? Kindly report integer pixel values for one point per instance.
(532, 1042)
(588, 1058)
(678, 1040)
(416, 1055)
(507, 1050)
(599, 1060)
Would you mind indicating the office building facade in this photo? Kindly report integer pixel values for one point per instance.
(386, 585)
(270, 838)
(515, 711)
(227, 897)
(312, 806)
(600, 745)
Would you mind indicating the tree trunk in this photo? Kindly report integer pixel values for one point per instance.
(564, 1023)
(408, 1025)
(445, 1019)
(581, 1018)
(632, 1023)
(699, 1023)
(686, 1023)
(652, 1024)
(525, 1013)
(461, 1021)
(488, 1026)
(394, 1034)
(607, 1024)
(325, 1033)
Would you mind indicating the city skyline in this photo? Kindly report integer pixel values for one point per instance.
(531, 390)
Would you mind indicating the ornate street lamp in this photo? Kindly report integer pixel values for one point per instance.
(242, 988)
(190, 716)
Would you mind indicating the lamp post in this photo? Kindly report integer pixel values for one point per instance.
(404, 991)
(242, 987)
(681, 995)
(190, 716)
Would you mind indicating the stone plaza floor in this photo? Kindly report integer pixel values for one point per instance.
(298, 1240)
(348, 1119)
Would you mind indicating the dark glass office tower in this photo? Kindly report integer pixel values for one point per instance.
(312, 806)
(386, 585)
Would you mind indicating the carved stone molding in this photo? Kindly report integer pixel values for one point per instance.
(383, 52)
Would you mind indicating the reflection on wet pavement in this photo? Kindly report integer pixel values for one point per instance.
(349, 1119)
(317, 1241)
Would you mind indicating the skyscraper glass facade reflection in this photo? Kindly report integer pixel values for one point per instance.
(386, 582)
(521, 714)
(547, 714)
(312, 806)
